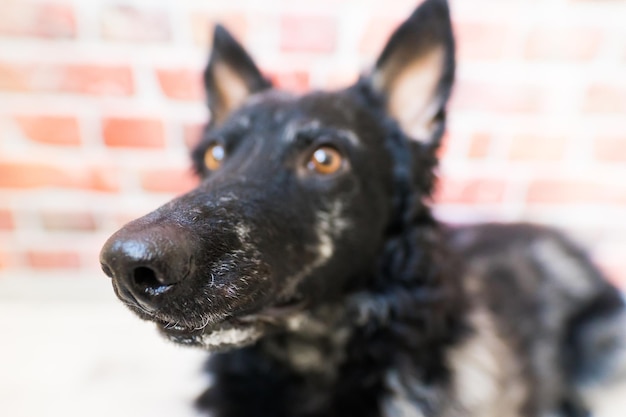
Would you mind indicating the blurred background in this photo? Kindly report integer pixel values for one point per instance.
(100, 101)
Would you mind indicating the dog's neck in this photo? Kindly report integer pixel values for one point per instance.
(421, 295)
(312, 342)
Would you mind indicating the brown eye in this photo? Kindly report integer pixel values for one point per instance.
(325, 160)
(214, 156)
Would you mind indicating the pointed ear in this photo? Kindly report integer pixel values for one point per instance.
(230, 76)
(415, 71)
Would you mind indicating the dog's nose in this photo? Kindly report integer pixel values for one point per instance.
(145, 264)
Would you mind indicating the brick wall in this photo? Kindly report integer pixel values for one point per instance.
(100, 100)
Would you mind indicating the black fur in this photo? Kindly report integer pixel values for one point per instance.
(339, 294)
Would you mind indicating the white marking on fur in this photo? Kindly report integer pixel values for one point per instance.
(486, 377)
(316, 325)
(292, 129)
(329, 225)
(305, 356)
(403, 399)
(296, 322)
(563, 267)
(230, 337)
(227, 198)
(331, 221)
(244, 122)
(243, 233)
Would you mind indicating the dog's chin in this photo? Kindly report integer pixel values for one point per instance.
(231, 332)
(218, 337)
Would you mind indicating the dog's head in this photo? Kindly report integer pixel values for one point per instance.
(297, 193)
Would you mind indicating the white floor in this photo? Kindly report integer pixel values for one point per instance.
(69, 349)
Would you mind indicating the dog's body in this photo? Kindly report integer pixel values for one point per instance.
(309, 257)
(539, 324)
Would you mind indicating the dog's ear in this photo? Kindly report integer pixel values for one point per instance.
(230, 76)
(415, 71)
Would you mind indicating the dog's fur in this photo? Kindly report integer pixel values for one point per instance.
(339, 294)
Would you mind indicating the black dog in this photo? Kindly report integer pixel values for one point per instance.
(309, 257)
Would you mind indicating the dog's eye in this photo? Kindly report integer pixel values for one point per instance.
(325, 160)
(214, 156)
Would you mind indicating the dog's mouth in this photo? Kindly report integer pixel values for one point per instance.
(230, 331)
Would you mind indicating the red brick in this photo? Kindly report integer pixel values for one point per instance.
(605, 99)
(127, 23)
(471, 191)
(78, 79)
(550, 191)
(53, 130)
(610, 149)
(103, 179)
(480, 143)
(29, 175)
(181, 84)
(537, 148)
(68, 221)
(484, 96)
(7, 259)
(13, 77)
(45, 19)
(308, 33)
(133, 133)
(202, 26)
(571, 44)
(192, 134)
(176, 181)
(560, 192)
(4, 260)
(16, 175)
(98, 80)
(296, 81)
(6, 220)
(376, 34)
(51, 259)
(480, 41)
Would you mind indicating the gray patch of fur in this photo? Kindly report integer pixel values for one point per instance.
(317, 341)
(562, 267)
(407, 395)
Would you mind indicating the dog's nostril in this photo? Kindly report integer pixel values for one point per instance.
(147, 280)
(145, 277)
